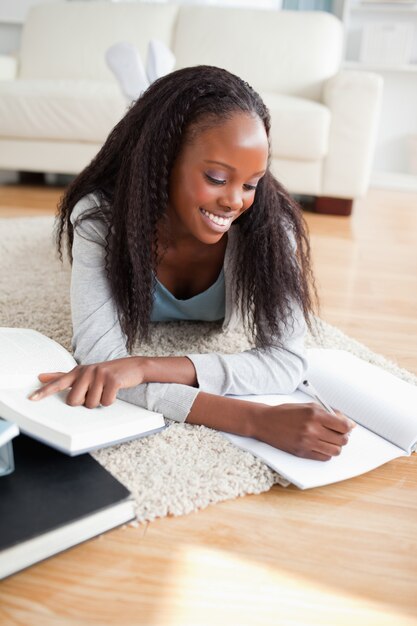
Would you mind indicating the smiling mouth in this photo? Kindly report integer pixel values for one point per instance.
(216, 219)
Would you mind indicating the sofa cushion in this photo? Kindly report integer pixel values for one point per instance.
(299, 128)
(275, 51)
(82, 110)
(69, 39)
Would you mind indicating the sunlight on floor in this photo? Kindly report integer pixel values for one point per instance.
(209, 587)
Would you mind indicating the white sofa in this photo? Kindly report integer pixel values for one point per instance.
(58, 100)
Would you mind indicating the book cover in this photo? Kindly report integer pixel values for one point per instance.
(52, 502)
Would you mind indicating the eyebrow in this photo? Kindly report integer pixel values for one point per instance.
(230, 167)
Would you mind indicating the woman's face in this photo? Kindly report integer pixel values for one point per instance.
(215, 176)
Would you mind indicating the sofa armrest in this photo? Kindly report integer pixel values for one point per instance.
(8, 67)
(354, 99)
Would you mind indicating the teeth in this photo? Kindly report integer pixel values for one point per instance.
(221, 221)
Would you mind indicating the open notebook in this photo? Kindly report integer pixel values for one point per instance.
(383, 406)
(24, 353)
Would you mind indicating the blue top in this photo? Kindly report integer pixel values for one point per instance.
(206, 306)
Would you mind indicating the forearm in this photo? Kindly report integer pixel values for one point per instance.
(277, 369)
(163, 384)
(305, 430)
(168, 369)
(228, 414)
(214, 411)
(251, 372)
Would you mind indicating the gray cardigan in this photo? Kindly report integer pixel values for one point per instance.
(97, 335)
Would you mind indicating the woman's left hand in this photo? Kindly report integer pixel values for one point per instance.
(92, 385)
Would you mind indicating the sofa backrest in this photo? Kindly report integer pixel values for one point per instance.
(69, 39)
(276, 51)
(287, 52)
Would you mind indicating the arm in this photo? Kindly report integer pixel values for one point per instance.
(304, 430)
(256, 371)
(97, 334)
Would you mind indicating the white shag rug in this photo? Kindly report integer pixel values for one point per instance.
(185, 467)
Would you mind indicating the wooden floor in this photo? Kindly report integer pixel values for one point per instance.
(366, 268)
(343, 554)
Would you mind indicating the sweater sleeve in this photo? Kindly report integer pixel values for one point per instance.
(257, 371)
(97, 335)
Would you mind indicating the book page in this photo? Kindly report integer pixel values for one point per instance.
(368, 394)
(364, 452)
(25, 353)
(68, 427)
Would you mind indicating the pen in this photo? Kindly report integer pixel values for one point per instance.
(308, 388)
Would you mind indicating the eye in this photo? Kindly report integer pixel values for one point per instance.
(214, 181)
(249, 187)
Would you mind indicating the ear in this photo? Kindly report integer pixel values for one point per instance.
(124, 61)
(160, 60)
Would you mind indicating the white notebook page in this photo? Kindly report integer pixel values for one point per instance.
(364, 452)
(368, 394)
(25, 353)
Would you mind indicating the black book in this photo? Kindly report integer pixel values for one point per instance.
(52, 502)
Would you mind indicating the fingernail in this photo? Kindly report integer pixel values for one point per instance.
(34, 396)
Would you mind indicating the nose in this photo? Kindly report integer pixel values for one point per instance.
(231, 199)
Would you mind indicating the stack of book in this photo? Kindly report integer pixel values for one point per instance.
(57, 496)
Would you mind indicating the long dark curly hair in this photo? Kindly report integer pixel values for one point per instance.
(131, 174)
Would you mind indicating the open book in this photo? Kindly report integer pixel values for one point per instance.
(24, 354)
(383, 407)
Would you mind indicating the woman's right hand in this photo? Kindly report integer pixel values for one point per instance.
(92, 385)
(305, 430)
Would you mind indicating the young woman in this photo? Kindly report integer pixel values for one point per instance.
(179, 217)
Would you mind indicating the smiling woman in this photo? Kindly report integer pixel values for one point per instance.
(179, 217)
(213, 181)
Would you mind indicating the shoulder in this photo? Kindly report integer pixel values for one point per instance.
(88, 220)
(84, 206)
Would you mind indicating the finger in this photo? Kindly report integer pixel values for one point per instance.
(46, 377)
(109, 394)
(94, 393)
(59, 384)
(327, 449)
(331, 436)
(318, 456)
(352, 422)
(338, 422)
(80, 387)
